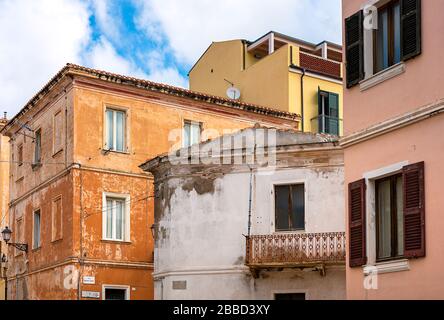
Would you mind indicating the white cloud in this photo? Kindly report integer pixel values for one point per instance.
(190, 26)
(38, 38)
(103, 12)
(104, 56)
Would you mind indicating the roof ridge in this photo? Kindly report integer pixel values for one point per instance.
(154, 86)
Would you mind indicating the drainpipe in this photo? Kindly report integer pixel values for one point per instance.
(302, 99)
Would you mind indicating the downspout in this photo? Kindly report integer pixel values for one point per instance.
(302, 99)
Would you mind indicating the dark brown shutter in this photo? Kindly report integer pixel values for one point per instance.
(410, 28)
(354, 42)
(357, 224)
(414, 210)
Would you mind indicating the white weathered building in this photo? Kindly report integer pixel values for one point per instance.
(269, 227)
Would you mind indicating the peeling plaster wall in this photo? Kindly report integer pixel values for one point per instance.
(201, 226)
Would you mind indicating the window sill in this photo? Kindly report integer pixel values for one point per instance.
(106, 151)
(55, 154)
(382, 76)
(36, 166)
(116, 241)
(387, 267)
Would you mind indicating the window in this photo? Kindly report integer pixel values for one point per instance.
(328, 113)
(20, 154)
(290, 296)
(397, 38)
(115, 130)
(115, 293)
(389, 218)
(57, 132)
(36, 230)
(18, 234)
(398, 229)
(191, 133)
(116, 217)
(57, 223)
(290, 207)
(38, 147)
(387, 38)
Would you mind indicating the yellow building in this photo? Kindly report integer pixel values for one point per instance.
(277, 71)
(4, 195)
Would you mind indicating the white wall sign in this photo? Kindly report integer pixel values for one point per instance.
(91, 294)
(89, 280)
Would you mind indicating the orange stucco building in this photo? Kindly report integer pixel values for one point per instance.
(77, 196)
(393, 149)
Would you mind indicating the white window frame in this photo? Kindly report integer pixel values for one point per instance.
(126, 222)
(120, 287)
(370, 179)
(372, 79)
(191, 122)
(125, 129)
(273, 205)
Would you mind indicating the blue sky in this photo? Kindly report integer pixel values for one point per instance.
(154, 39)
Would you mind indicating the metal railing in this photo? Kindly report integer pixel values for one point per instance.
(326, 124)
(282, 250)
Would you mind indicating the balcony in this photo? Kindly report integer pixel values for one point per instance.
(326, 124)
(306, 250)
(319, 65)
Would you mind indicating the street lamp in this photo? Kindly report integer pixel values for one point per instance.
(6, 234)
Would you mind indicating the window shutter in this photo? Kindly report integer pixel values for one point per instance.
(357, 224)
(354, 42)
(410, 28)
(414, 210)
(333, 104)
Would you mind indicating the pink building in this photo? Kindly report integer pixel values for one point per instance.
(394, 148)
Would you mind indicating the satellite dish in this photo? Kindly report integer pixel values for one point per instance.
(233, 93)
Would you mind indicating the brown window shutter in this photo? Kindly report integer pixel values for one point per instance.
(414, 210)
(354, 42)
(357, 224)
(410, 28)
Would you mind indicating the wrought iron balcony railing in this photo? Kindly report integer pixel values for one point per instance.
(295, 250)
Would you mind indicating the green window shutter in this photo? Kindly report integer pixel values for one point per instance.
(333, 104)
(333, 120)
(410, 28)
(354, 46)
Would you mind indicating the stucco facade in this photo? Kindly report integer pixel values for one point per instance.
(394, 119)
(275, 70)
(78, 173)
(203, 213)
